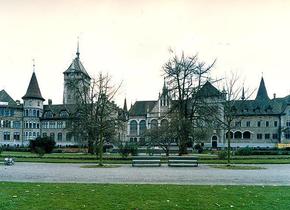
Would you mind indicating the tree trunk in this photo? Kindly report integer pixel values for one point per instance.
(91, 146)
(229, 147)
(101, 149)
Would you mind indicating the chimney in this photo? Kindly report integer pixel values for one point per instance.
(274, 95)
(49, 101)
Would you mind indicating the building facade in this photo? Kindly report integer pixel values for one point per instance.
(262, 122)
(22, 122)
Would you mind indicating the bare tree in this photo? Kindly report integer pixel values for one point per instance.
(185, 75)
(98, 117)
(227, 114)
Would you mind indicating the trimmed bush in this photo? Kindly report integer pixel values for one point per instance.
(222, 155)
(245, 151)
(42, 145)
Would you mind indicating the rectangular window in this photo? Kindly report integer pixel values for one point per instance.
(259, 136)
(51, 124)
(267, 135)
(267, 123)
(16, 136)
(287, 135)
(248, 123)
(259, 124)
(6, 136)
(16, 124)
(275, 136)
(59, 124)
(275, 123)
(44, 134)
(288, 123)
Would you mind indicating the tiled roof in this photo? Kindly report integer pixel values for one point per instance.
(77, 66)
(140, 108)
(33, 91)
(261, 107)
(262, 91)
(208, 90)
(56, 109)
(5, 97)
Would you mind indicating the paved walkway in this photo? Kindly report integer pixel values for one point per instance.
(202, 175)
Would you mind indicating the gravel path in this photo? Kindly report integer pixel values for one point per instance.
(202, 175)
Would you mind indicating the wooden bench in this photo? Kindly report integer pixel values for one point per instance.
(146, 161)
(8, 161)
(182, 161)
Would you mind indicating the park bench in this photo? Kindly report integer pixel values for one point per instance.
(146, 161)
(8, 161)
(182, 161)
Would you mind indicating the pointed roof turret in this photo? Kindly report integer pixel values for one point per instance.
(33, 91)
(76, 66)
(125, 105)
(262, 91)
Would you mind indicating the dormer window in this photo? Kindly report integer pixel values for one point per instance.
(63, 114)
(48, 114)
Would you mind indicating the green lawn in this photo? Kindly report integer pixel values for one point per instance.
(105, 196)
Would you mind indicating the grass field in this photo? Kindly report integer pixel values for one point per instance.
(104, 196)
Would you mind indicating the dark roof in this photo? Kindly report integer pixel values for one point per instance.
(262, 91)
(261, 107)
(33, 91)
(208, 90)
(56, 109)
(140, 107)
(5, 97)
(77, 66)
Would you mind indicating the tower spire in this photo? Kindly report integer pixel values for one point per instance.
(243, 94)
(78, 48)
(33, 65)
(262, 91)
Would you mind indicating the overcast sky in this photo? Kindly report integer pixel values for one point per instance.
(130, 41)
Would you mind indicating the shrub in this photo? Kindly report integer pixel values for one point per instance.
(222, 155)
(42, 145)
(126, 149)
(199, 148)
(245, 151)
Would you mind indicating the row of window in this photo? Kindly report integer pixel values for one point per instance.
(259, 124)
(7, 136)
(53, 124)
(7, 112)
(32, 113)
(28, 124)
(133, 128)
(10, 124)
(60, 136)
(49, 114)
(248, 135)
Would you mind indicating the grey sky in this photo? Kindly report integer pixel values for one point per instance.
(130, 40)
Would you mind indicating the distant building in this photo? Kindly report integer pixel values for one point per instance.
(20, 123)
(262, 122)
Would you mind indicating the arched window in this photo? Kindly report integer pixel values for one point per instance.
(246, 135)
(52, 136)
(154, 123)
(63, 114)
(59, 137)
(231, 134)
(214, 138)
(133, 127)
(238, 135)
(164, 122)
(142, 127)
